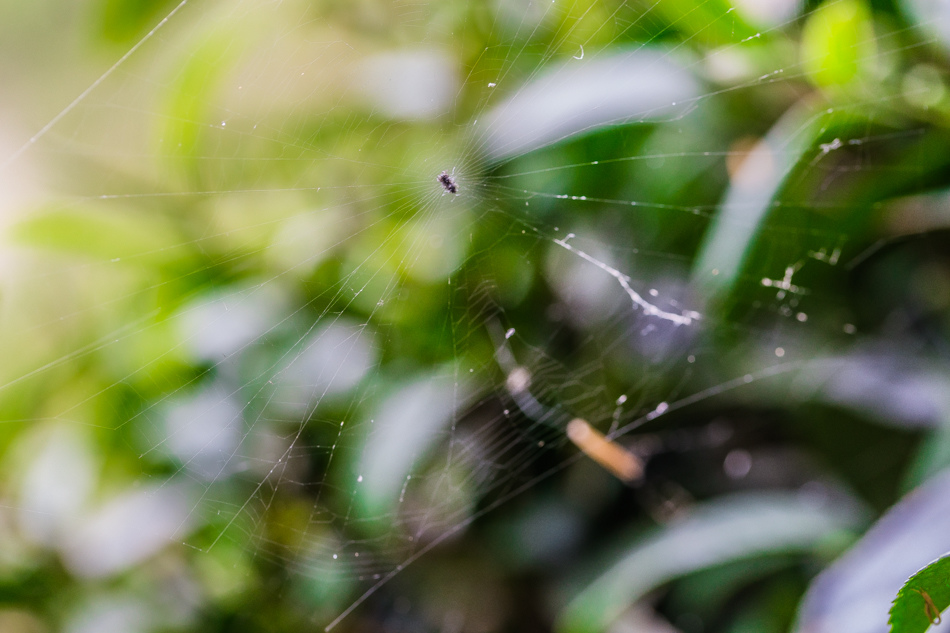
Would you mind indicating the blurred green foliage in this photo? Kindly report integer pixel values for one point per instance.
(241, 198)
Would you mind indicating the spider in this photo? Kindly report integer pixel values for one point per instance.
(448, 183)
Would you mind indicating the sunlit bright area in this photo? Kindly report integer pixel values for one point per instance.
(474, 316)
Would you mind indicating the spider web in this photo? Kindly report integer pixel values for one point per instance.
(234, 265)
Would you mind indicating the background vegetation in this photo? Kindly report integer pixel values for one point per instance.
(250, 347)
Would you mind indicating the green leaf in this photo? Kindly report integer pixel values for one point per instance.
(115, 235)
(720, 531)
(190, 97)
(752, 195)
(922, 598)
(405, 428)
(838, 43)
(125, 20)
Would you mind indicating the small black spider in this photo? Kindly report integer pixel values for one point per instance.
(448, 183)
